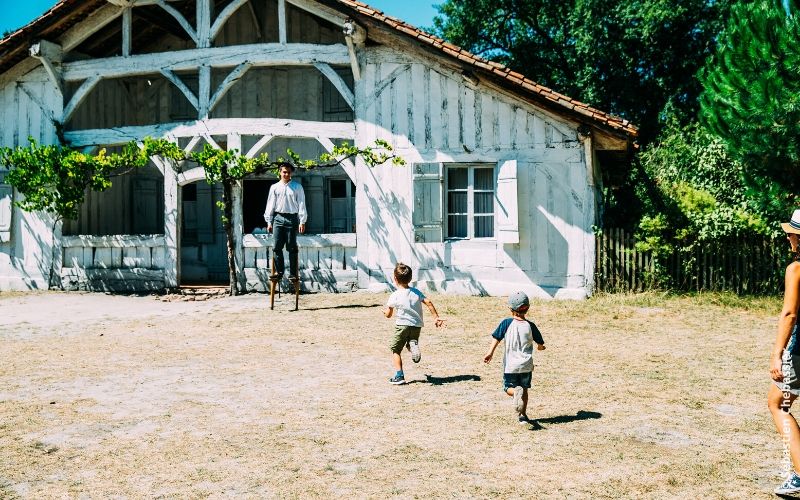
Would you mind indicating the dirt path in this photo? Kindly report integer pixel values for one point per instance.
(128, 397)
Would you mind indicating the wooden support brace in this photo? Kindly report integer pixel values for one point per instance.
(337, 82)
(258, 146)
(79, 96)
(225, 15)
(175, 79)
(233, 77)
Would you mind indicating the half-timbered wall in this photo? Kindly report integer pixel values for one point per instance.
(433, 115)
(28, 106)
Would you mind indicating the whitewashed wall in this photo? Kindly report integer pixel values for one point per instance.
(433, 115)
(27, 104)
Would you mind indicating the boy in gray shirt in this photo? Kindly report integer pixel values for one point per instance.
(519, 335)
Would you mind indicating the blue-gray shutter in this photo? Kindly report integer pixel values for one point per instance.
(6, 207)
(507, 197)
(427, 211)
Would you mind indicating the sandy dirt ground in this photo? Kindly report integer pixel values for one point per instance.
(130, 397)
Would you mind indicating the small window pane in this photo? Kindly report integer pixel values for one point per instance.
(457, 226)
(456, 203)
(484, 178)
(484, 226)
(457, 178)
(484, 203)
(338, 188)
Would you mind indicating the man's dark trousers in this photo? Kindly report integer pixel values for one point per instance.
(284, 228)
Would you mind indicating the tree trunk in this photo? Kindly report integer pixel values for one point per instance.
(227, 223)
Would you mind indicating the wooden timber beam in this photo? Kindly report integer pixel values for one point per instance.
(96, 21)
(337, 82)
(203, 23)
(354, 36)
(321, 11)
(265, 54)
(216, 126)
(50, 55)
(282, 37)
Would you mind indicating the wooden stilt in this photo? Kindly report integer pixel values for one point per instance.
(296, 280)
(273, 283)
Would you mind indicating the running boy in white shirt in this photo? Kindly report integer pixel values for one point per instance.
(520, 335)
(407, 301)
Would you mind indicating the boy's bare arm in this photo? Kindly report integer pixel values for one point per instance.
(388, 312)
(439, 321)
(490, 353)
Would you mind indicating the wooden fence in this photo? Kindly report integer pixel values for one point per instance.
(743, 266)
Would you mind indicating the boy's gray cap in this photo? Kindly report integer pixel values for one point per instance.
(517, 300)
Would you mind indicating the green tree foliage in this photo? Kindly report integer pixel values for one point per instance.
(751, 99)
(699, 195)
(629, 57)
(55, 179)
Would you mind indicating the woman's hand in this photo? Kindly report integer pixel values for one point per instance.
(776, 368)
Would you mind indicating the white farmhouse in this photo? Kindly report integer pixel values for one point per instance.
(500, 191)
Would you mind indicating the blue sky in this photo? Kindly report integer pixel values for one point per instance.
(17, 13)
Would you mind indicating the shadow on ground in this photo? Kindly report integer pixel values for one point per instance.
(449, 380)
(344, 306)
(564, 419)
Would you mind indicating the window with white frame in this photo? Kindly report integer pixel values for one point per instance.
(470, 194)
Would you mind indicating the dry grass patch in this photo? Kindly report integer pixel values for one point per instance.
(646, 395)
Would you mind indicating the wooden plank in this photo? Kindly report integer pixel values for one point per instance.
(218, 126)
(419, 105)
(299, 54)
(468, 120)
(337, 258)
(434, 111)
(350, 258)
(144, 257)
(451, 114)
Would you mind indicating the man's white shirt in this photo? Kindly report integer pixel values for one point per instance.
(286, 197)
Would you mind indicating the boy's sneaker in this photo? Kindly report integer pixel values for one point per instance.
(523, 419)
(791, 485)
(397, 380)
(518, 403)
(415, 354)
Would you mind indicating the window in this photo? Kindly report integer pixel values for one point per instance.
(470, 193)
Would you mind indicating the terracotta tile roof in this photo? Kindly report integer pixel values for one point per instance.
(50, 25)
(497, 71)
(67, 13)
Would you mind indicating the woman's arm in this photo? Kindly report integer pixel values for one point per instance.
(787, 319)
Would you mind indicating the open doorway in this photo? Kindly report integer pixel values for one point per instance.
(204, 253)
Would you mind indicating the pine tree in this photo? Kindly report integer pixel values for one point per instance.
(751, 96)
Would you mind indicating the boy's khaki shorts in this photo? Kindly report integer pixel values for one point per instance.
(402, 335)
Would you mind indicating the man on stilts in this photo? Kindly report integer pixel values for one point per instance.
(286, 214)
